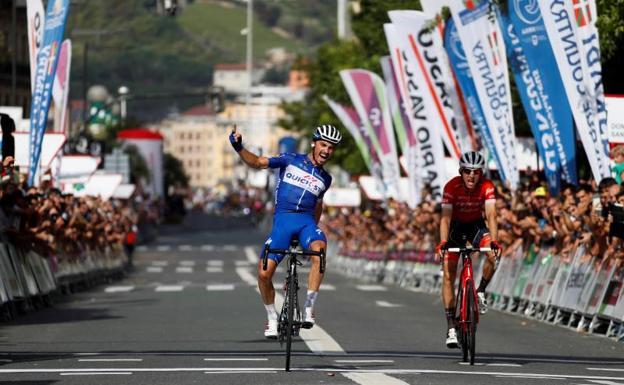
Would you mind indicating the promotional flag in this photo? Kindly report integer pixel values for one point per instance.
(573, 37)
(430, 154)
(426, 47)
(482, 40)
(459, 64)
(536, 104)
(36, 20)
(368, 94)
(403, 129)
(60, 89)
(47, 60)
(531, 34)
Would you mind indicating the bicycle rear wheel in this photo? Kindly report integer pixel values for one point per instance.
(290, 295)
(471, 326)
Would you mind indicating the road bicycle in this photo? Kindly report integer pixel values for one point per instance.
(289, 322)
(466, 303)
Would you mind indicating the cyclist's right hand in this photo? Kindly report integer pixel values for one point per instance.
(439, 249)
(236, 140)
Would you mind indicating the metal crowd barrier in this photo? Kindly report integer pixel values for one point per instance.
(577, 292)
(29, 281)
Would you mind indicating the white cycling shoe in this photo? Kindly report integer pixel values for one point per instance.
(270, 330)
(483, 305)
(308, 319)
(451, 339)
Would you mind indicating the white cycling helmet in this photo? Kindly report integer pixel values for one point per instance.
(472, 160)
(328, 133)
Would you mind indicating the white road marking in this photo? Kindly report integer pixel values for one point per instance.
(236, 359)
(604, 382)
(185, 248)
(187, 263)
(215, 262)
(363, 361)
(6, 360)
(608, 369)
(223, 287)
(163, 248)
(110, 360)
(214, 269)
(154, 269)
(160, 263)
(251, 255)
(94, 373)
(184, 269)
(504, 365)
(242, 263)
(387, 304)
(118, 289)
(207, 248)
(245, 274)
(230, 248)
(169, 288)
(327, 287)
(371, 288)
(141, 248)
(247, 372)
(373, 379)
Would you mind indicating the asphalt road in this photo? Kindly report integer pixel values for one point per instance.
(191, 314)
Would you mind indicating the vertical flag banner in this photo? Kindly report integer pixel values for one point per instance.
(368, 94)
(60, 88)
(36, 20)
(403, 129)
(47, 59)
(425, 46)
(573, 37)
(536, 104)
(459, 64)
(411, 86)
(531, 33)
(482, 40)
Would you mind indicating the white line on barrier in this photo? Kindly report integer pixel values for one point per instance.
(185, 248)
(371, 288)
(224, 287)
(214, 263)
(236, 359)
(163, 248)
(251, 255)
(169, 288)
(230, 248)
(363, 361)
(184, 269)
(187, 263)
(118, 289)
(387, 304)
(94, 373)
(154, 269)
(373, 379)
(207, 248)
(214, 269)
(110, 360)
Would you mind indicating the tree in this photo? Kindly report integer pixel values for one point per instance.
(174, 173)
(138, 166)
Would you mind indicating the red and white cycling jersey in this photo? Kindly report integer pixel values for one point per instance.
(467, 205)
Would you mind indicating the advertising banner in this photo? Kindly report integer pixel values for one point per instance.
(548, 87)
(411, 86)
(47, 60)
(574, 40)
(459, 63)
(615, 119)
(36, 21)
(60, 89)
(368, 94)
(482, 40)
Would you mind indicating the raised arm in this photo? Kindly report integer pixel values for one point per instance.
(249, 158)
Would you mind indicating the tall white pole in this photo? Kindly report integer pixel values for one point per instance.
(249, 61)
(342, 18)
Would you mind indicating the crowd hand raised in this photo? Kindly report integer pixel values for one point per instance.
(236, 140)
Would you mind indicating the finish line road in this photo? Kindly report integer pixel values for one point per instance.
(190, 313)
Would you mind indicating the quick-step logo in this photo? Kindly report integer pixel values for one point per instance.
(297, 177)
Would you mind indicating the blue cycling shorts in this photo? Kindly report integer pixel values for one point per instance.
(287, 225)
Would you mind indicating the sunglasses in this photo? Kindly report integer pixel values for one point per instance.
(467, 171)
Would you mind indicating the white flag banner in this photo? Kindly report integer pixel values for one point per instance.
(368, 95)
(36, 21)
(60, 87)
(483, 43)
(418, 103)
(573, 36)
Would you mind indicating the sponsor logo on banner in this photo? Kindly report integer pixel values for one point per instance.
(481, 37)
(574, 40)
(36, 18)
(526, 18)
(46, 68)
(298, 177)
(429, 154)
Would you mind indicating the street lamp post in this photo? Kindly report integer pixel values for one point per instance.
(123, 92)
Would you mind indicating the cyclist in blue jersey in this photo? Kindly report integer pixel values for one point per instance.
(298, 206)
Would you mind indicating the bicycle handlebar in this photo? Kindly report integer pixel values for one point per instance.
(470, 249)
(321, 253)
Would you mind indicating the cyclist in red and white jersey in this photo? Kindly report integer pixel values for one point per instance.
(466, 199)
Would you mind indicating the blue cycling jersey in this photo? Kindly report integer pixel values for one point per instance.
(300, 184)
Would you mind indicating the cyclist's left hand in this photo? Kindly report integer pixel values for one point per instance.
(496, 247)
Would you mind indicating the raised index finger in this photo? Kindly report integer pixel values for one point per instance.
(234, 129)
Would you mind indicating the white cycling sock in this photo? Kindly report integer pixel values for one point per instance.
(271, 313)
(309, 303)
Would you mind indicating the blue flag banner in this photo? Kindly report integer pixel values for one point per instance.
(47, 59)
(536, 104)
(531, 36)
(459, 63)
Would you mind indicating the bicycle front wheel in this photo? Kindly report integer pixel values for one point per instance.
(291, 295)
(471, 326)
